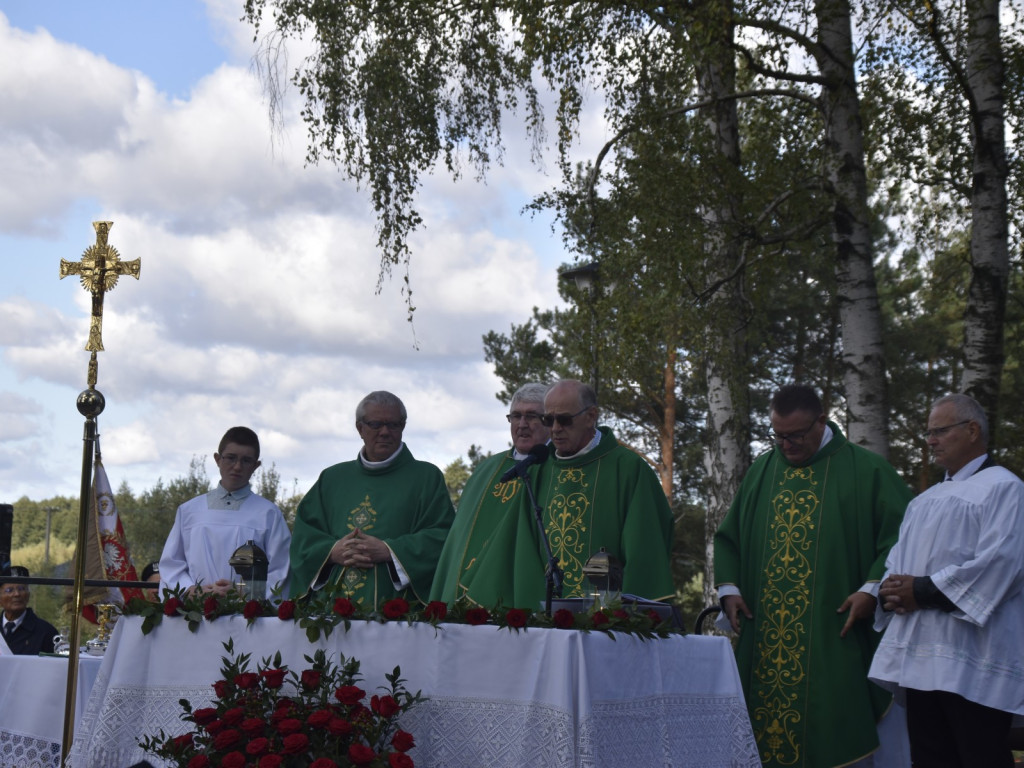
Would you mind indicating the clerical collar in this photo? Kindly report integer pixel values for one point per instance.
(969, 468)
(586, 449)
(221, 498)
(826, 437)
(380, 464)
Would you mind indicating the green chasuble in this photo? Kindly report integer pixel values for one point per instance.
(406, 504)
(796, 542)
(482, 507)
(609, 497)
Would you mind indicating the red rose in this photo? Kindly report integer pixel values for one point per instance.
(221, 688)
(599, 619)
(215, 727)
(344, 607)
(284, 704)
(233, 716)
(274, 678)
(320, 718)
(180, 743)
(618, 613)
(286, 610)
(257, 747)
(210, 607)
(516, 617)
(563, 618)
(435, 611)
(289, 725)
(654, 616)
(199, 761)
(402, 741)
(399, 760)
(252, 726)
(359, 714)
(323, 762)
(171, 606)
(294, 744)
(204, 715)
(395, 608)
(339, 726)
(360, 754)
(271, 761)
(252, 610)
(310, 679)
(349, 694)
(385, 706)
(226, 739)
(246, 680)
(477, 616)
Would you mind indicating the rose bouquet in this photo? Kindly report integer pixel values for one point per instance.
(274, 717)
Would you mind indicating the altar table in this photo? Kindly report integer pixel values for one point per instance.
(33, 690)
(543, 698)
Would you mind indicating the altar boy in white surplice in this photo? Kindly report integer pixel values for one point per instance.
(209, 528)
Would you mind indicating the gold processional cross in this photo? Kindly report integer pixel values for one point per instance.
(99, 269)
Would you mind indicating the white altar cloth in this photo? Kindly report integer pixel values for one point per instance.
(543, 698)
(33, 690)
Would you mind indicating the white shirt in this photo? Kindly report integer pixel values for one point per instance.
(968, 536)
(209, 528)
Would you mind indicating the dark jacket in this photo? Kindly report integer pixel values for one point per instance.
(32, 637)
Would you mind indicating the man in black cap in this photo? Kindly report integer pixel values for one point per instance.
(24, 632)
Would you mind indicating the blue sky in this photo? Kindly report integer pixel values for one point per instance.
(256, 302)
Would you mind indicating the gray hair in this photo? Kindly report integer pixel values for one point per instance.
(966, 408)
(529, 393)
(383, 399)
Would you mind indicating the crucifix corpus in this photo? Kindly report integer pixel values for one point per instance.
(98, 270)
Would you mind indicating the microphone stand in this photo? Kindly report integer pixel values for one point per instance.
(552, 574)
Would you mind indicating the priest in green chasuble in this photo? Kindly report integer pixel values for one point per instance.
(375, 525)
(486, 501)
(798, 559)
(593, 493)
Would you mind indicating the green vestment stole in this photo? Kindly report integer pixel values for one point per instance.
(482, 507)
(406, 504)
(796, 542)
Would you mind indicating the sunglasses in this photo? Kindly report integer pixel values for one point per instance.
(563, 419)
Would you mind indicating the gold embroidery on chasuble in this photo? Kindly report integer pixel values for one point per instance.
(362, 517)
(504, 493)
(569, 513)
(779, 691)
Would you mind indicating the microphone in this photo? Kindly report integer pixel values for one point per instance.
(537, 455)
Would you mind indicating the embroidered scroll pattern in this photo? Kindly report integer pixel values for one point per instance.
(778, 702)
(362, 517)
(569, 511)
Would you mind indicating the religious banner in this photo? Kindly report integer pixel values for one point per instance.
(106, 547)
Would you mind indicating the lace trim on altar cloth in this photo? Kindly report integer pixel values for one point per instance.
(705, 731)
(709, 731)
(27, 752)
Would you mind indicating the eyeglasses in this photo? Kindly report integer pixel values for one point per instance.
(233, 458)
(940, 431)
(790, 437)
(394, 426)
(10, 590)
(563, 419)
(529, 417)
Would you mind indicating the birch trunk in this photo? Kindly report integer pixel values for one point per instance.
(857, 291)
(986, 301)
(726, 367)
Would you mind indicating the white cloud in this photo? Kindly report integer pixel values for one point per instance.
(256, 303)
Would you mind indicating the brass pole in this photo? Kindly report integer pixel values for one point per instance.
(90, 404)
